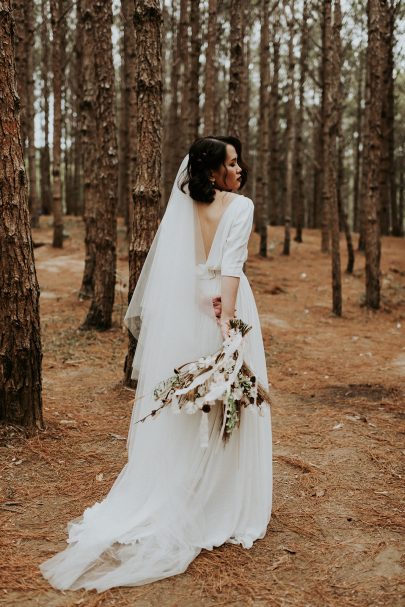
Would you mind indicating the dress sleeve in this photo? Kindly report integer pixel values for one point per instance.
(236, 245)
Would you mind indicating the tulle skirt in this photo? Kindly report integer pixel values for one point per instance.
(174, 498)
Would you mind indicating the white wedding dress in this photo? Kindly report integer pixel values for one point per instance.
(174, 498)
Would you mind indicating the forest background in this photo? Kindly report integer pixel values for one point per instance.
(101, 101)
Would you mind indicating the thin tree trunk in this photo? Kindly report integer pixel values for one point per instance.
(210, 69)
(57, 209)
(290, 136)
(77, 185)
(331, 83)
(128, 127)
(148, 24)
(88, 144)
(32, 169)
(46, 191)
(100, 313)
(20, 337)
(236, 68)
(395, 228)
(262, 177)
(375, 61)
(274, 128)
(358, 143)
(325, 207)
(339, 96)
(299, 176)
(184, 53)
(194, 91)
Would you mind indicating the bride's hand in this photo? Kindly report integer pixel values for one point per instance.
(224, 326)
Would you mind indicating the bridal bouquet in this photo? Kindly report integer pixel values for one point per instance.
(221, 379)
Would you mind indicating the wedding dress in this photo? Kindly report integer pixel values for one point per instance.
(174, 498)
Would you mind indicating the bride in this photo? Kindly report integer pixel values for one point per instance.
(173, 498)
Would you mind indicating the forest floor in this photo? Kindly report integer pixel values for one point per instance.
(336, 535)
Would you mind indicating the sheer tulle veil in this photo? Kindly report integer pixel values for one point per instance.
(152, 523)
(164, 307)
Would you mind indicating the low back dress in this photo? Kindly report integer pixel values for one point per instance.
(144, 531)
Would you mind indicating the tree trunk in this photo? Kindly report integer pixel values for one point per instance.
(358, 144)
(88, 144)
(194, 92)
(325, 207)
(100, 313)
(395, 228)
(170, 157)
(299, 176)
(57, 15)
(339, 97)
(262, 177)
(184, 54)
(375, 65)
(236, 68)
(77, 185)
(20, 338)
(331, 85)
(148, 24)
(210, 69)
(274, 128)
(32, 169)
(45, 160)
(128, 126)
(290, 136)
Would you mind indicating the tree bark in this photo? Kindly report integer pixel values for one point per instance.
(194, 90)
(325, 207)
(128, 116)
(299, 176)
(20, 337)
(274, 127)
(236, 68)
(88, 144)
(148, 24)
(290, 136)
(375, 64)
(210, 69)
(57, 15)
(331, 85)
(358, 144)
(99, 315)
(263, 143)
(32, 169)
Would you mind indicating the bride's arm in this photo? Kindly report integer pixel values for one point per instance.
(229, 291)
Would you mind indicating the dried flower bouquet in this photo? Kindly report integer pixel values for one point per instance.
(222, 378)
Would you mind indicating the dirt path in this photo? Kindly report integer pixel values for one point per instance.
(336, 536)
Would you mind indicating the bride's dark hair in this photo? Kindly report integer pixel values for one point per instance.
(207, 154)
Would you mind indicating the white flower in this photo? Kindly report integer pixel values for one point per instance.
(237, 393)
(190, 407)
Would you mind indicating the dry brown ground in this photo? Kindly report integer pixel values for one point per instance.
(336, 536)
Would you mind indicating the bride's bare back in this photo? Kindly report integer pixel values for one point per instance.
(210, 215)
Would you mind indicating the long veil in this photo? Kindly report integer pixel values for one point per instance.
(152, 523)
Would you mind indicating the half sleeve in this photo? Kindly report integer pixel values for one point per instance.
(236, 245)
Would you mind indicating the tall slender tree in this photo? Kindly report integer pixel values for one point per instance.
(148, 26)
(194, 89)
(376, 12)
(99, 19)
(236, 69)
(290, 133)
(274, 126)
(20, 338)
(299, 191)
(210, 69)
(263, 126)
(331, 83)
(57, 16)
